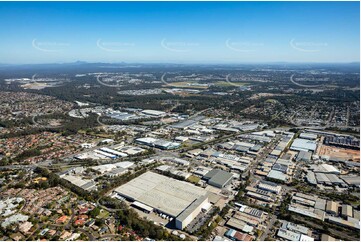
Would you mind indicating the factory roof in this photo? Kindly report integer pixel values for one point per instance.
(116, 171)
(311, 178)
(124, 164)
(349, 222)
(347, 210)
(334, 179)
(280, 167)
(142, 206)
(160, 192)
(308, 136)
(351, 180)
(306, 238)
(184, 124)
(240, 225)
(320, 203)
(153, 112)
(277, 175)
(218, 177)
(295, 227)
(78, 181)
(238, 236)
(288, 235)
(270, 186)
(307, 212)
(326, 168)
(190, 209)
(322, 178)
(303, 144)
(304, 156)
(325, 237)
(332, 206)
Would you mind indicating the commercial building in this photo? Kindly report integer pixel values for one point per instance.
(180, 200)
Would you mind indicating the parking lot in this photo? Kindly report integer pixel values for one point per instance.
(198, 221)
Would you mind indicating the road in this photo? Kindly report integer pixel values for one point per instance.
(267, 231)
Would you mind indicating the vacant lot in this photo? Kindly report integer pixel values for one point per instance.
(340, 153)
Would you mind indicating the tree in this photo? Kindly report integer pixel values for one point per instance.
(95, 212)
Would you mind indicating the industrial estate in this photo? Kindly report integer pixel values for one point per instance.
(138, 151)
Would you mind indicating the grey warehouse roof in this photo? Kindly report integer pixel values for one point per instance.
(219, 177)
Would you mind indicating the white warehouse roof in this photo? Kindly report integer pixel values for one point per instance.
(165, 194)
(303, 144)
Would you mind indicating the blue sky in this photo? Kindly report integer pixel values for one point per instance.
(179, 32)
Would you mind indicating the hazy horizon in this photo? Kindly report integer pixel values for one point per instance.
(179, 32)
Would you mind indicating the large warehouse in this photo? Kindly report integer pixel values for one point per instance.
(180, 200)
(304, 144)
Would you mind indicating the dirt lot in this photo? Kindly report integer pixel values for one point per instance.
(337, 152)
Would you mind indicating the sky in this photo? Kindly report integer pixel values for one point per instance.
(179, 32)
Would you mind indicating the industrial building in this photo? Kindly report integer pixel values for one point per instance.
(277, 175)
(154, 113)
(270, 186)
(293, 236)
(332, 207)
(238, 236)
(175, 160)
(114, 152)
(184, 124)
(177, 199)
(296, 228)
(351, 180)
(309, 136)
(325, 168)
(218, 178)
(158, 143)
(85, 184)
(342, 141)
(304, 156)
(303, 144)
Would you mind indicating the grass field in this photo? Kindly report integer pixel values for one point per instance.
(187, 85)
(103, 214)
(193, 179)
(228, 84)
